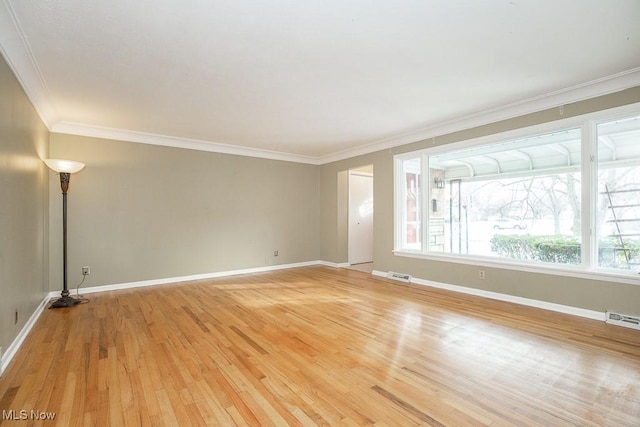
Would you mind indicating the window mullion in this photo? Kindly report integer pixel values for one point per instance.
(426, 197)
(398, 210)
(588, 199)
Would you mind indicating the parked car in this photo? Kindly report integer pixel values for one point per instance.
(508, 223)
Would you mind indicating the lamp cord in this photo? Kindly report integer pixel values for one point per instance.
(79, 297)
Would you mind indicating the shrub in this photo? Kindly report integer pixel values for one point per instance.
(561, 249)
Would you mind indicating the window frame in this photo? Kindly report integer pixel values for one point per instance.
(588, 268)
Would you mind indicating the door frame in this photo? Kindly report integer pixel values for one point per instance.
(351, 173)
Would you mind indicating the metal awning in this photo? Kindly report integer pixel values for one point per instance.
(618, 145)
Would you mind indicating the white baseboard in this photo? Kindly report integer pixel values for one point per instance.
(168, 280)
(566, 309)
(17, 343)
(334, 264)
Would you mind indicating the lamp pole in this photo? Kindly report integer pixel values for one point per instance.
(65, 168)
(65, 300)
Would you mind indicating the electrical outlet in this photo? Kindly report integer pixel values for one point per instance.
(481, 274)
(275, 253)
(86, 270)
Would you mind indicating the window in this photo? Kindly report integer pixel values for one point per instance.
(518, 199)
(524, 199)
(410, 228)
(618, 201)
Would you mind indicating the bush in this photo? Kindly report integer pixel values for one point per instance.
(557, 249)
(561, 249)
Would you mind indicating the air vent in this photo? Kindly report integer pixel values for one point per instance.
(623, 320)
(399, 276)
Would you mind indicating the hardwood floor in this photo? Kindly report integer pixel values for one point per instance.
(320, 346)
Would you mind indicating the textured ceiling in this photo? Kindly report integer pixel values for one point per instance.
(307, 78)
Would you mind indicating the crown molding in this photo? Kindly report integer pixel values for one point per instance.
(15, 49)
(595, 88)
(170, 141)
(603, 86)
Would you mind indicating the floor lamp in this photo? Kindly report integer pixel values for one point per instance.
(64, 168)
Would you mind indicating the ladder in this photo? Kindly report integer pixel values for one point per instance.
(617, 220)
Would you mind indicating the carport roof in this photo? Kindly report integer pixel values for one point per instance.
(618, 144)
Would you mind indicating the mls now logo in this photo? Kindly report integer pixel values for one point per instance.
(27, 415)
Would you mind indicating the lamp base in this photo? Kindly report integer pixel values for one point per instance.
(64, 301)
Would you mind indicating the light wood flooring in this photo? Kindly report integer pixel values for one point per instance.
(320, 346)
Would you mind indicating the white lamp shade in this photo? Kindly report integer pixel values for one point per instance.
(68, 166)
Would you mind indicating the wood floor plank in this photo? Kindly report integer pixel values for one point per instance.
(320, 346)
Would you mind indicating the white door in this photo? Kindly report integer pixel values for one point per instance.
(360, 218)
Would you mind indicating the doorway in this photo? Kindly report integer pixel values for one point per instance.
(361, 215)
